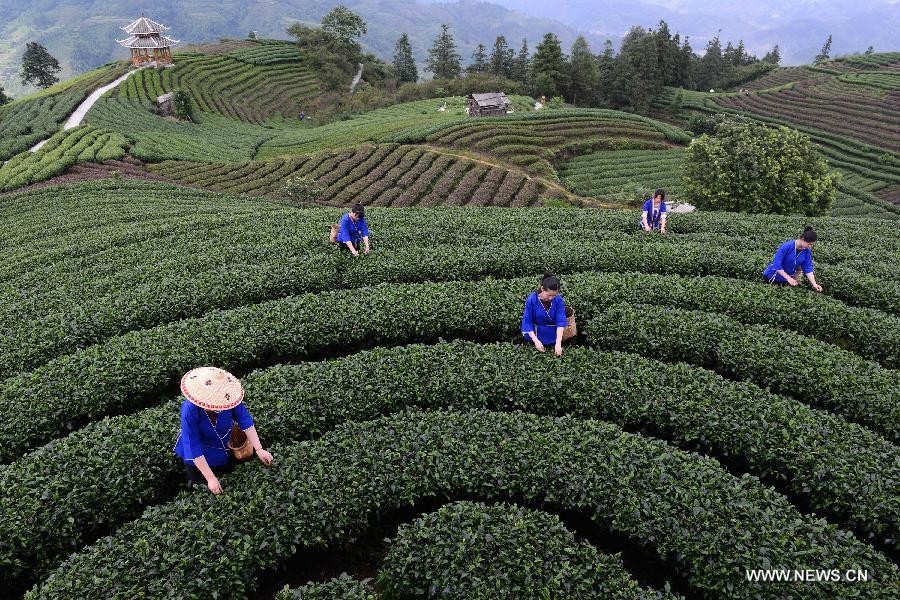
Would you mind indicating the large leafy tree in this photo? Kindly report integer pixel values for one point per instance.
(4, 99)
(750, 167)
(404, 63)
(344, 26)
(501, 63)
(443, 59)
(637, 77)
(548, 67)
(479, 60)
(39, 66)
(583, 73)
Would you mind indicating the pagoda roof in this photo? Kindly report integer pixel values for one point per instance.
(153, 41)
(144, 26)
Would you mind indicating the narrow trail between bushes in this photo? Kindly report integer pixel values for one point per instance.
(78, 115)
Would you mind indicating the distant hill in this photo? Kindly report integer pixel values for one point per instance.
(82, 33)
(799, 28)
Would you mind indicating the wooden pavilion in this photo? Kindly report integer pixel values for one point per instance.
(147, 44)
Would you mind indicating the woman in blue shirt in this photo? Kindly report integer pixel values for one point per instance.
(544, 317)
(792, 258)
(354, 231)
(654, 213)
(214, 404)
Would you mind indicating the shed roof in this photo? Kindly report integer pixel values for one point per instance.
(490, 99)
(164, 97)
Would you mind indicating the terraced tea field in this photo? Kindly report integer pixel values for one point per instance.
(384, 175)
(668, 450)
(603, 174)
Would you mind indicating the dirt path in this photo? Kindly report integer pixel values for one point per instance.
(78, 115)
(356, 78)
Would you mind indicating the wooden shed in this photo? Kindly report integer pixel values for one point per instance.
(493, 104)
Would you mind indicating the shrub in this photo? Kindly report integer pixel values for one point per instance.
(472, 551)
(303, 190)
(749, 167)
(182, 105)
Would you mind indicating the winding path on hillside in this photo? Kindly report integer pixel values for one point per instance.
(356, 78)
(78, 115)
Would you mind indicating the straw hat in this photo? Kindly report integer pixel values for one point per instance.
(212, 388)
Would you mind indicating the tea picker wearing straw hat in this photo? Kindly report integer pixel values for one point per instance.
(212, 412)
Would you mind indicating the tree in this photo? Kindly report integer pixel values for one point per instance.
(548, 67)
(686, 66)
(404, 63)
(443, 59)
(825, 53)
(4, 99)
(252, 35)
(606, 74)
(502, 59)
(182, 105)
(522, 64)
(750, 167)
(773, 56)
(344, 26)
(666, 53)
(870, 50)
(479, 60)
(712, 65)
(38, 66)
(584, 75)
(636, 76)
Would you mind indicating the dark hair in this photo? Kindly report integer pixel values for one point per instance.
(358, 209)
(550, 282)
(661, 193)
(809, 235)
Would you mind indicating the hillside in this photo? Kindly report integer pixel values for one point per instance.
(419, 441)
(82, 43)
(850, 107)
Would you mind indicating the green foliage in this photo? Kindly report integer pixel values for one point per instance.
(4, 99)
(629, 176)
(472, 550)
(343, 587)
(443, 58)
(502, 61)
(32, 119)
(748, 167)
(689, 506)
(404, 63)
(344, 26)
(305, 401)
(38, 66)
(548, 68)
(480, 62)
(705, 123)
(584, 76)
(303, 190)
(63, 150)
(181, 101)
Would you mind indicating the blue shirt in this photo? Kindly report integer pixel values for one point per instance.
(198, 437)
(654, 216)
(787, 258)
(351, 231)
(542, 321)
